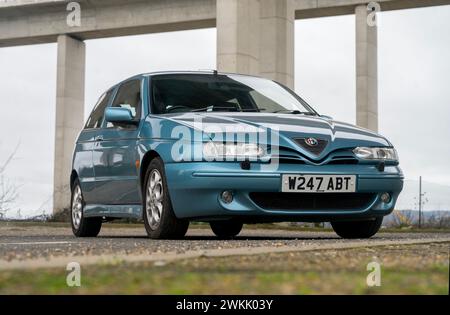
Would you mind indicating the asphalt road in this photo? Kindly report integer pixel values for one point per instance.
(25, 243)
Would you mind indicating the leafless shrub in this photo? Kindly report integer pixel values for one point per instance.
(438, 220)
(401, 219)
(61, 216)
(8, 191)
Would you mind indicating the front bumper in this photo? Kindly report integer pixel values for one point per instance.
(195, 189)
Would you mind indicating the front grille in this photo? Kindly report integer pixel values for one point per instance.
(312, 201)
(283, 160)
(343, 160)
(316, 150)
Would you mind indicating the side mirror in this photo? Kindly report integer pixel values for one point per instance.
(326, 117)
(119, 115)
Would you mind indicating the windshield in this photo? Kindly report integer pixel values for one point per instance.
(175, 93)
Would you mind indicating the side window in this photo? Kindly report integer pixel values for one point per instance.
(129, 96)
(96, 118)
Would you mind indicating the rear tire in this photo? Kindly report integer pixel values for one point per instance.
(81, 226)
(357, 229)
(226, 229)
(159, 219)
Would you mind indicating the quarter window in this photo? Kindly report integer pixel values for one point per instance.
(129, 96)
(96, 118)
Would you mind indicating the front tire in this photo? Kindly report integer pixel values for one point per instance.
(357, 229)
(159, 219)
(81, 226)
(226, 229)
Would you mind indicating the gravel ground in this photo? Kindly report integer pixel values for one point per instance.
(404, 269)
(28, 242)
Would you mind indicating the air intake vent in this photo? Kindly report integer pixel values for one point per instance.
(312, 201)
(312, 145)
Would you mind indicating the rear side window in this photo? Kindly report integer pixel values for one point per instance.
(129, 96)
(96, 118)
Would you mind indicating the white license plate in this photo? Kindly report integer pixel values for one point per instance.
(318, 183)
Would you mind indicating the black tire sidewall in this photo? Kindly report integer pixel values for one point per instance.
(226, 229)
(357, 229)
(89, 227)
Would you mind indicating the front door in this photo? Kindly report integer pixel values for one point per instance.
(115, 152)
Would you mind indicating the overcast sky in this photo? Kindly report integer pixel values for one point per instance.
(414, 90)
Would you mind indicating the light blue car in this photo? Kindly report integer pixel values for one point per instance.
(228, 149)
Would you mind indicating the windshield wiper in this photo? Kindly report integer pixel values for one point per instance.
(253, 110)
(295, 112)
(214, 108)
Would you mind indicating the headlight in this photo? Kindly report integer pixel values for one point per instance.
(214, 150)
(380, 154)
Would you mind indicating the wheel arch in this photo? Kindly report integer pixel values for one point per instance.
(73, 177)
(148, 157)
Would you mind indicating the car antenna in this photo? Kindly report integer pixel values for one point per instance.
(214, 71)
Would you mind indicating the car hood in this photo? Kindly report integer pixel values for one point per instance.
(288, 128)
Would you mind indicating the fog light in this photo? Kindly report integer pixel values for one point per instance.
(227, 196)
(386, 197)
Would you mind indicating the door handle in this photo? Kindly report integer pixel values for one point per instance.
(99, 138)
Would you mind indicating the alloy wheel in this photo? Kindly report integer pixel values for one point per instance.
(154, 199)
(77, 207)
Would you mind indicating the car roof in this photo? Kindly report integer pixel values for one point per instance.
(211, 72)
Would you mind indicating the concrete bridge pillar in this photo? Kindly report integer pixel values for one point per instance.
(277, 41)
(69, 114)
(237, 24)
(256, 37)
(366, 71)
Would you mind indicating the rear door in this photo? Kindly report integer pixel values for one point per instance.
(115, 154)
